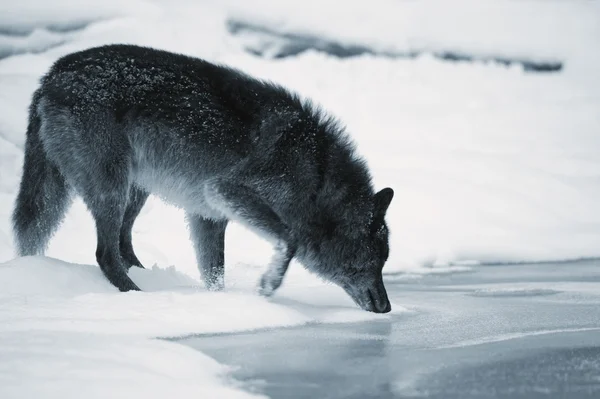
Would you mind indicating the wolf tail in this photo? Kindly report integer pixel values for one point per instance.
(43, 194)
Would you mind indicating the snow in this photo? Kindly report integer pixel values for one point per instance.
(47, 364)
(489, 164)
(528, 29)
(76, 298)
(60, 296)
(64, 329)
(64, 15)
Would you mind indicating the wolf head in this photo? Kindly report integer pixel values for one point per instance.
(353, 256)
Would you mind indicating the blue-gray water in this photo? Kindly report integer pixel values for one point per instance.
(463, 338)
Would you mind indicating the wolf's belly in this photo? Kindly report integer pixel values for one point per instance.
(175, 188)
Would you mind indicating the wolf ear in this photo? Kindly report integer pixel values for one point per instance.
(382, 201)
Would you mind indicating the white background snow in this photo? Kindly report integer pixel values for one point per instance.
(489, 164)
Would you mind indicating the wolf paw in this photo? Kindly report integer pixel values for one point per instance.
(268, 285)
(217, 284)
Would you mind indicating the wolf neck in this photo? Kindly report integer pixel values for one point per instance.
(328, 185)
(344, 199)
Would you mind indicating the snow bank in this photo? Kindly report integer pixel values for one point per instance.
(51, 295)
(25, 16)
(46, 364)
(66, 331)
(530, 29)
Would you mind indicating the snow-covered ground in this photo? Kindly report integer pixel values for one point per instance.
(489, 163)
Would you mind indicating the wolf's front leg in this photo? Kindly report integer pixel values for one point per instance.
(208, 237)
(244, 205)
(272, 278)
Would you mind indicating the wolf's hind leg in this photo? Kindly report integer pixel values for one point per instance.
(208, 237)
(242, 204)
(94, 156)
(105, 190)
(137, 199)
(108, 210)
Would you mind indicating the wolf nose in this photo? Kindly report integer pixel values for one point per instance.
(380, 304)
(382, 307)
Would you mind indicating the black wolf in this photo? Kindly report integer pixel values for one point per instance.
(116, 123)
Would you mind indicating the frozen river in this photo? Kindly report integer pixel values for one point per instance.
(521, 331)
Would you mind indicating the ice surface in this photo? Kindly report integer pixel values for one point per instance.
(489, 164)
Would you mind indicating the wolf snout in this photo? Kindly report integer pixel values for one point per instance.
(379, 303)
(371, 300)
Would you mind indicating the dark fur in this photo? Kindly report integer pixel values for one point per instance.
(116, 123)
